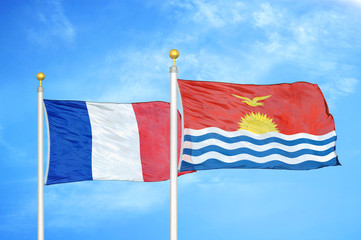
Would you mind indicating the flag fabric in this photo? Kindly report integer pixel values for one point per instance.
(108, 141)
(281, 126)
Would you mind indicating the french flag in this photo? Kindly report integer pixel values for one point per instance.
(108, 141)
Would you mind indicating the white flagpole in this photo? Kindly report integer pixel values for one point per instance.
(40, 76)
(173, 148)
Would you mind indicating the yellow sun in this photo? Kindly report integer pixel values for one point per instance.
(257, 123)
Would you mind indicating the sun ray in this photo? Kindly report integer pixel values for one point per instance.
(257, 123)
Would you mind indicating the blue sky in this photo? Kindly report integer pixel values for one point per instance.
(117, 51)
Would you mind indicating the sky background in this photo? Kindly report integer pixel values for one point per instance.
(117, 51)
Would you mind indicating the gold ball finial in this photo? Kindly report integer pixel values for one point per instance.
(174, 55)
(40, 76)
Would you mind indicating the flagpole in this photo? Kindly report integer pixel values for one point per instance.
(173, 148)
(40, 76)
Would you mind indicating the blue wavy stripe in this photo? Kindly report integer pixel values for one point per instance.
(216, 164)
(233, 152)
(222, 138)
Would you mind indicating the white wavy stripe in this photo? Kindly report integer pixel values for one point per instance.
(258, 148)
(273, 157)
(200, 132)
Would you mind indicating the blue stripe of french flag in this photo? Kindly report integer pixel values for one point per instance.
(108, 141)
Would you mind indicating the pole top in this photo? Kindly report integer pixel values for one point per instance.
(40, 76)
(173, 54)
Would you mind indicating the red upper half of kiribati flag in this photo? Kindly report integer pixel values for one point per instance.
(285, 108)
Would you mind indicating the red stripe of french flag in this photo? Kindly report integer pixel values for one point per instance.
(153, 121)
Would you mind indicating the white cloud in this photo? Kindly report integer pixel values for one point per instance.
(283, 37)
(216, 15)
(268, 16)
(211, 13)
(348, 85)
(304, 34)
(311, 41)
(207, 65)
(52, 24)
(338, 88)
(135, 76)
(352, 2)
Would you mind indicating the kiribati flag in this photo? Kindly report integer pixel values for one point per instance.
(281, 126)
